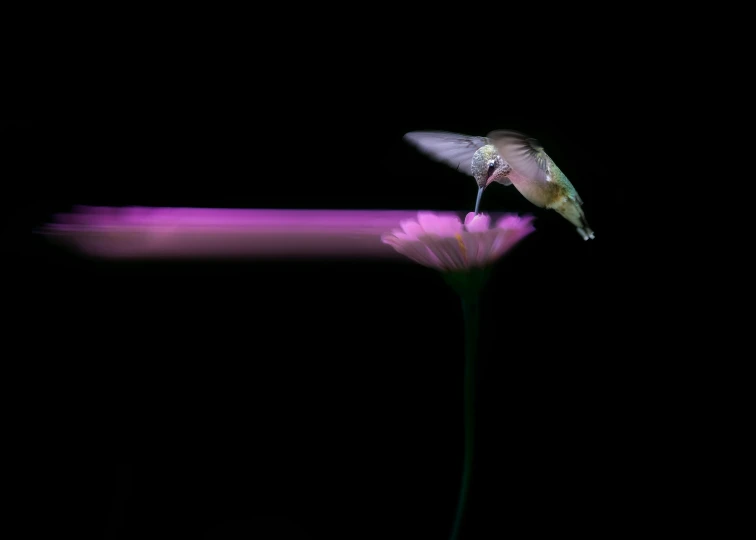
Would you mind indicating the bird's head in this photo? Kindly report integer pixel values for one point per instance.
(488, 166)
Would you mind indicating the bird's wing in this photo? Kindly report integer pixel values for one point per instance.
(453, 149)
(524, 154)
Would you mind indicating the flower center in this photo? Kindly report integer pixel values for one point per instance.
(461, 246)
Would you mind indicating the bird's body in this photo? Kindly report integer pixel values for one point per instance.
(507, 157)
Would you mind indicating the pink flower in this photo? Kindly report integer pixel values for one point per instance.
(443, 242)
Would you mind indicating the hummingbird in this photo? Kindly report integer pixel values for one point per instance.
(507, 157)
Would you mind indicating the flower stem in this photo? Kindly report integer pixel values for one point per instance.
(470, 310)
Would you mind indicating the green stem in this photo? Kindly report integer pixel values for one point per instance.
(470, 310)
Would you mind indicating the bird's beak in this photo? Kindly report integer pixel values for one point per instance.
(477, 201)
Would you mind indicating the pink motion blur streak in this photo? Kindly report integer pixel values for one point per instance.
(162, 233)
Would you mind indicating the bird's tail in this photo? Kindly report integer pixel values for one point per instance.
(571, 210)
(584, 229)
(586, 232)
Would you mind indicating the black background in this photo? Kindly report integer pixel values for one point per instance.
(324, 398)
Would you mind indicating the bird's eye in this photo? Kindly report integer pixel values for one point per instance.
(491, 165)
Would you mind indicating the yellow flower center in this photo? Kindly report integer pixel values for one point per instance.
(461, 246)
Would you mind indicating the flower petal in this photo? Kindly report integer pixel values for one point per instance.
(390, 239)
(477, 222)
(411, 228)
(442, 225)
(450, 226)
(418, 252)
(506, 240)
(478, 247)
(427, 221)
(472, 248)
(448, 251)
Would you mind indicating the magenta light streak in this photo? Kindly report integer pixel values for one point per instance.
(163, 233)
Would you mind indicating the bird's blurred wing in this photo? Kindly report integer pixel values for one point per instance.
(524, 154)
(453, 149)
